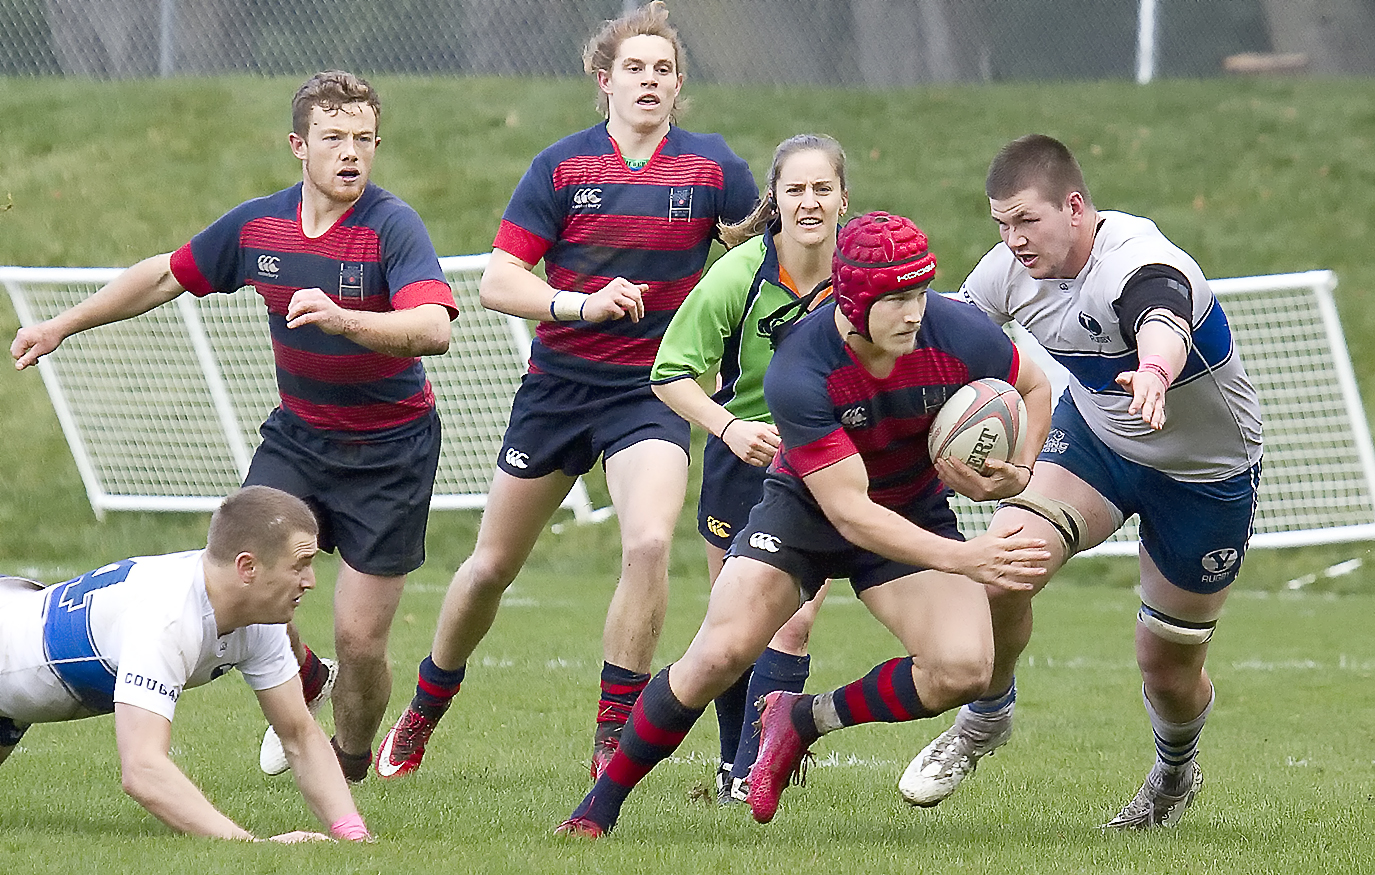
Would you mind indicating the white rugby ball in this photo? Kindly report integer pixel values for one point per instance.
(985, 419)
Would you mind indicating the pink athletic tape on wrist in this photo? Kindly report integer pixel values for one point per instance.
(1159, 366)
(351, 828)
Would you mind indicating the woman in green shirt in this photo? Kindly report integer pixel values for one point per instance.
(778, 268)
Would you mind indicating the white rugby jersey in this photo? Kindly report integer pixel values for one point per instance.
(137, 631)
(1212, 426)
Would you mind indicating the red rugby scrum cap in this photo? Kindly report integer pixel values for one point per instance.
(877, 254)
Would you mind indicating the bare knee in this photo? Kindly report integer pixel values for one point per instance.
(488, 572)
(647, 552)
(957, 679)
(361, 650)
(1171, 678)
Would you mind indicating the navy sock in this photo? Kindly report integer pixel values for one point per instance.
(774, 670)
(658, 724)
(435, 688)
(731, 708)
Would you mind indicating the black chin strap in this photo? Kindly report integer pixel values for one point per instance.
(775, 325)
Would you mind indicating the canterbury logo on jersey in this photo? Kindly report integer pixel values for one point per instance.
(516, 459)
(269, 265)
(587, 197)
(763, 541)
(719, 528)
(853, 418)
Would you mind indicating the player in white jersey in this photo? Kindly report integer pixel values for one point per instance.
(128, 638)
(1159, 420)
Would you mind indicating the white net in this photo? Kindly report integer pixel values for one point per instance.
(162, 411)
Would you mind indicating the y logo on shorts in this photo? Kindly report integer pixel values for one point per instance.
(1217, 563)
(719, 528)
(765, 542)
(516, 459)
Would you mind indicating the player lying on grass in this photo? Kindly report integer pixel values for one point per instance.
(129, 637)
(1159, 420)
(853, 388)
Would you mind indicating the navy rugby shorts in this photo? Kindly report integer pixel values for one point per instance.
(793, 535)
(731, 487)
(559, 425)
(1195, 533)
(371, 496)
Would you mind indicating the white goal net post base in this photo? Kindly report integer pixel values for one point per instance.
(162, 412)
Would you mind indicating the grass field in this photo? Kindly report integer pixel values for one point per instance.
(1251, 176)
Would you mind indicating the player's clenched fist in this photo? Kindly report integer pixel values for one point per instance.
(314, 307)
(33, 342)
(616, 300)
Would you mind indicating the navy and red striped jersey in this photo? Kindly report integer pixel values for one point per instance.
(828, 407)
(378, 257)
(593, 219)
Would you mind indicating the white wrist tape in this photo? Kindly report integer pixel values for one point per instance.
(567, 306)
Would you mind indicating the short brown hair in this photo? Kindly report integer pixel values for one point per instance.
(1039, 162)
(257, 520)
(599, 55)
(331, 90)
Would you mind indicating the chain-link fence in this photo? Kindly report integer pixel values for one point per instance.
(870, 43)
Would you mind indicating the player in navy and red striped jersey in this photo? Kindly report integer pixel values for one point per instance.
(622, 215)
(853, 389)
(354, 295)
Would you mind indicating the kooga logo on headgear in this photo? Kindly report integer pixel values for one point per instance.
(916, 273)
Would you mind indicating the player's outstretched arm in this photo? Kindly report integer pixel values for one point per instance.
(154, 781)
(1161, 348)
(312, 759)
(1006, 559)
(509, 286)
(134, 291)
(422, 330)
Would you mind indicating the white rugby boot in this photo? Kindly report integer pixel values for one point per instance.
(1152, 807)
(951, 757)
(271, 757)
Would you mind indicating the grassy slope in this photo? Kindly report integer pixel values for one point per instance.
(1250, 176)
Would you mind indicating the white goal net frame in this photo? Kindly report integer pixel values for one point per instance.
(161, 412)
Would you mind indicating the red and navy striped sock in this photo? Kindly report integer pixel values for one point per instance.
(658, 724)
(885, 695)
(435, 687)
(620, 688)
(313, 675)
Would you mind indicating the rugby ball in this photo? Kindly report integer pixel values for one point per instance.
(985, 419)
